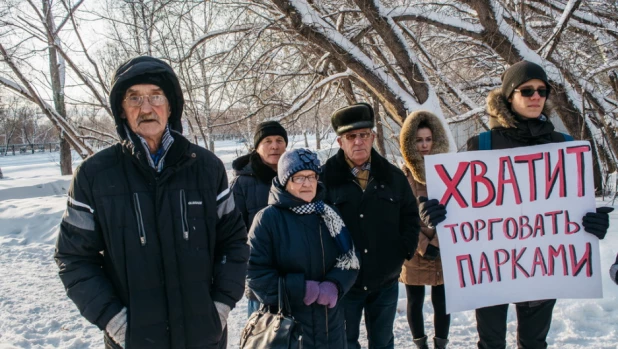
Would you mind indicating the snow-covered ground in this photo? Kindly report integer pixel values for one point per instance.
(35, 312)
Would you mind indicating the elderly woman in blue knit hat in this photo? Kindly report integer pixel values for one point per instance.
(301, 239)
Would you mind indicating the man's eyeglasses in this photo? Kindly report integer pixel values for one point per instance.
(302, 179)
(154, 100)
(529, 92)
(352, 136)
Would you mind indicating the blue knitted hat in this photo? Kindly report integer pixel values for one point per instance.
(296, 160)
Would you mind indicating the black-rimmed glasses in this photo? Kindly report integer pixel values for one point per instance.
(302, 179)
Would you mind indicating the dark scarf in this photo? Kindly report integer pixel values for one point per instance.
(528, 130)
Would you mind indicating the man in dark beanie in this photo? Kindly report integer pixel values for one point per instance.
(151, 247)
(377, 206)
(521, 72)
(518, 117)
(253, 175)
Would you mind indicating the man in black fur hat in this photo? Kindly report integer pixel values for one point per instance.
(151, 247)
(379, 209)
(254, 173)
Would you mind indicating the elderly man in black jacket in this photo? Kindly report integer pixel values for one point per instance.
(151, 247)
(254, 173)
(377, 206)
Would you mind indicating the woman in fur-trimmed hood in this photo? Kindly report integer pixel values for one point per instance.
(423, 134)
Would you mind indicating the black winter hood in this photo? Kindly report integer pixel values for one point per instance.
(146, 70)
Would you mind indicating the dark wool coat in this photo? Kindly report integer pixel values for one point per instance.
(299, 248)
(164, 245)
(418, 270)
(509, 130)
(383, 219)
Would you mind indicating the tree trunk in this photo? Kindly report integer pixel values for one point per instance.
(66, 163)
(318, 146)
(379, 128)
(306, 139)
(57, 78)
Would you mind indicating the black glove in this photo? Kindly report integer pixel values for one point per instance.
(432, 252)
(432, 212)
(613, 271)
(596, 223)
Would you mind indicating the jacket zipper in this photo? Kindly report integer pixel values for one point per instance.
(183, 215)
(323, 275)
(361, 188)
(140, 222)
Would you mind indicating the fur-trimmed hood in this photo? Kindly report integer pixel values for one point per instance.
(500, 113)
(407, 142)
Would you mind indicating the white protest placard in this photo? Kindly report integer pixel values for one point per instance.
(513, 228)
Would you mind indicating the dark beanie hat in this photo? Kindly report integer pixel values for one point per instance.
(268, 128)
(146, 70)
(519, 73)
(352, 117)
(296, 160)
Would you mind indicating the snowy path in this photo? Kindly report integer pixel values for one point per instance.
(35, 312)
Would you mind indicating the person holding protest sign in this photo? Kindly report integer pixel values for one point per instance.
(376, 204)
(422, 134)
(518, 118)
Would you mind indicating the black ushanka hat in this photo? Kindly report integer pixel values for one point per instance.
(352, 117)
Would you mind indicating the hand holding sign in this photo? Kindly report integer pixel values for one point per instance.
(613, 271)
(514, 231)
(597, 223)
(432, 212)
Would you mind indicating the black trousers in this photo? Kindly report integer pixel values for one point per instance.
(533, 324)
(441, 320)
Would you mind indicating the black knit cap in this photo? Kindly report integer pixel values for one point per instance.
(519, 73)
(353, 117)
(268, 128)
(146, 70)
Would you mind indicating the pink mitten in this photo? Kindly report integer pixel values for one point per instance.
(312, 291)
(328, 294)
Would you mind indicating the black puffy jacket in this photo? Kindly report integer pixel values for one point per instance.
(251, 185)
(300, 248)
(164, 245)
(383, 219)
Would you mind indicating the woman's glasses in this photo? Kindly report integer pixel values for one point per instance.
(302, 179)
(529, 92)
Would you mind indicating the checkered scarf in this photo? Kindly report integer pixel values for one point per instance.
(347, 258)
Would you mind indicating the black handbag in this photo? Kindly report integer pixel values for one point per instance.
(267, 330)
